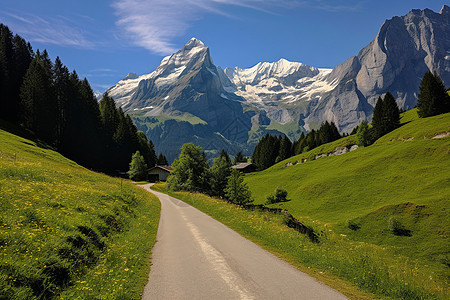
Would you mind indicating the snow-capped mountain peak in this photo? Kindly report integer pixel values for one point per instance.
(193, 55)
(193, 43)
(283, 70)
(282, 81)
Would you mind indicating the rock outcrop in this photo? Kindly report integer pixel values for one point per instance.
(404, 49)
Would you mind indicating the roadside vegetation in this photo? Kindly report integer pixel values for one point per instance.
(380, 212)
(67, 232)
(359, 270)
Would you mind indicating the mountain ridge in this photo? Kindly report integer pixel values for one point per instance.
(290, 96)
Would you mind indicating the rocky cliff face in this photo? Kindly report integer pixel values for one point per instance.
(404, 49)
(188, 88)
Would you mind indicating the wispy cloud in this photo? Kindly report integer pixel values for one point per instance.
(102, 72)
(153, 24)
(49, 30)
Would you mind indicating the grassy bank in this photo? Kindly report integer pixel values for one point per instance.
(359, 270)
(393, 195)
(68, 232)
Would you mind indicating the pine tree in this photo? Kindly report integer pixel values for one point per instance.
(138, 167)
(23, 54)
(62, 94)
(299, 144)
(377, 119)
(239, 158)
(285, 149)
(386, 116)
(391, 113)
(219, 172)
(90, 127)
(266, 151)
(162, 160)
(6, 70)
(433, 99)
(225, 155)
(147, 149)
(38, 101)
(237, 191)
(363, 134)
(110, 117)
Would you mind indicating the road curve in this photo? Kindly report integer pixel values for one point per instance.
(197, 257)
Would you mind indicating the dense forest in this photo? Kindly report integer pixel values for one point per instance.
(273, 149)
(60, 109)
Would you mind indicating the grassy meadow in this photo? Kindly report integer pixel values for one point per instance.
(67, 232)
(402, 183)
(382, 213)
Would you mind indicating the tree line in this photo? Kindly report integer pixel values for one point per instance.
(61, 109)
(433, 99)
(273, 149)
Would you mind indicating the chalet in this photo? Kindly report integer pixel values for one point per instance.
(245, 167)
(159, 173)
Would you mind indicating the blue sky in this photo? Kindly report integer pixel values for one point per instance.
(104, 40)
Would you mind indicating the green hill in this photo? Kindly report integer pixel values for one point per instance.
(394, 194)
(68, 232)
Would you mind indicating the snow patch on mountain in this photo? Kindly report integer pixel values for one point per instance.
(282, 82)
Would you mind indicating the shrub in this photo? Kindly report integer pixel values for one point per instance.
(278, 196)
(397, 228)
(353, 225)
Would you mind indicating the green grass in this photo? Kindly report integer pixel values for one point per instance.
(403, 178)
(68, 232)
(357, 269)
(179, 117)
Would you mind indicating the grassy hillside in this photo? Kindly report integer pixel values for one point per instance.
(394, 194)
(68, 232)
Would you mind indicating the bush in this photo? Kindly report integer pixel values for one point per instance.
(278, 196)
(398, 228)
(237, 191)
(353, 225)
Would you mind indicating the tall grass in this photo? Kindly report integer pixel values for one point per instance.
(68, 232)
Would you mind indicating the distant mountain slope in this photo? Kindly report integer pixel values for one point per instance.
(241, 105)
(186, 99)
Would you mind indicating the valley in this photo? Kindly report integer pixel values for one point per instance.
(238, 106)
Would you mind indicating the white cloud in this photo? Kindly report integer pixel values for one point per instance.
(153, 24)
(50, 30)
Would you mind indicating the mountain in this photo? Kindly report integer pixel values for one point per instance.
(276, 87)
(233, 108)
(185, 99)
(396, 60)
